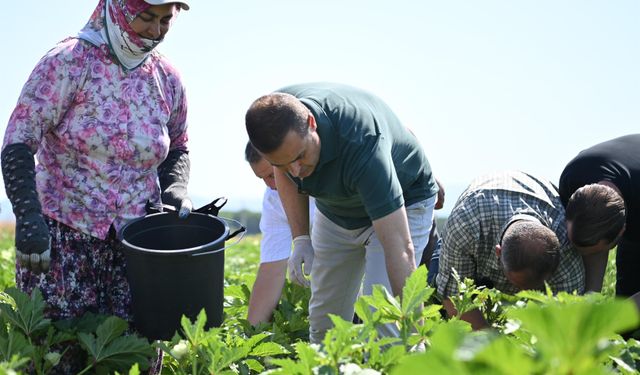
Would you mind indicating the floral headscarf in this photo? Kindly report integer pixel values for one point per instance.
(109, 24)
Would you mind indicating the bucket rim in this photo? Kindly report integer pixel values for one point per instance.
(128, 246)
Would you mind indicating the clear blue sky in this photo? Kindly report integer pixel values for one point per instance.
(485, 85)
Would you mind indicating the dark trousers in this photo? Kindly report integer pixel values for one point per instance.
(431, 254)
(627, 263)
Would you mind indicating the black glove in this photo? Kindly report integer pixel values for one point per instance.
(173, 174)
(33, 242)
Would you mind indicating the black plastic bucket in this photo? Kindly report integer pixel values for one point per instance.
(175, 267)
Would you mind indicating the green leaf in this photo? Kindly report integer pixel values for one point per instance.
(28, 315)
(622, 365)
(486, 352)
(253, 340)
(13, 343)
(363, 310)
(417, 363)
(569, 336)
(391, 356)
(415, 291)
(432, 312)
(134, 370)
(467, 297)
(254, 365)
(236, 291)
(307, 355)
(88, 322)
(9, 366)
(229, 356)
(194, 332)
(88, 341)
(439, 358)
(124, 352)
(110, 351)
(448, 335)
(308, 358)
(384, 302)
(268, 349)
(289, 367)
(109, 330)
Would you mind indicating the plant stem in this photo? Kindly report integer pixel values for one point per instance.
(85, 370)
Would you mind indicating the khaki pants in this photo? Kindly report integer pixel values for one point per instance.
(343, 256)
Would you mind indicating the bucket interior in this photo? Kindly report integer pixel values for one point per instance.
(167, 232)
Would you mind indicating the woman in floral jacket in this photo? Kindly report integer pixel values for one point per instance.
(105, 115)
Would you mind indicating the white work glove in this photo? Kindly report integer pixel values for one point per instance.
(302, 253)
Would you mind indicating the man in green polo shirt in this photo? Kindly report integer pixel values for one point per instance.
(373, 185)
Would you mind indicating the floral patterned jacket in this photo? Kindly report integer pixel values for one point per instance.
(99, 133)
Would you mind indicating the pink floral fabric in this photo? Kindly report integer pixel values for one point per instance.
(99, 133)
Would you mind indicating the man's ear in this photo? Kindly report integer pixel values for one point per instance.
(498, 250)
(311, 121)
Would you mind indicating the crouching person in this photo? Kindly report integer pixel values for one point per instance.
(275, 246)
(507, 231)
(373, 186)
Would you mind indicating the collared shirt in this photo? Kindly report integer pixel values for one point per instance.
(476, 223)
(370, 165)
(276, 239)
(99, 133)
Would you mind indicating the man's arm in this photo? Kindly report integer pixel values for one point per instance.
(474, 316)
(595, 266)
(440, 196)
(296, 206)
(266, 291)
(459, 244)
(393, 233)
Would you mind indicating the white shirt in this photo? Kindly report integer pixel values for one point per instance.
(276, 233)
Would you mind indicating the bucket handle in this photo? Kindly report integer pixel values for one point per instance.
(240, 231)
(214, 207)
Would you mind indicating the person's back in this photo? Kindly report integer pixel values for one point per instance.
(600, 189)
(354, 126)
(478, 218)
(506, 231)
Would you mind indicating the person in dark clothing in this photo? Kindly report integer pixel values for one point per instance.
(600, 189)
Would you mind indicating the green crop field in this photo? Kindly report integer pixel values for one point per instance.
(533, 332)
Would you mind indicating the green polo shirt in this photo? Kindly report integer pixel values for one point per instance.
(370, 164)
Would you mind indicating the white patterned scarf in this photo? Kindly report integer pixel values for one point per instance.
(109, 25)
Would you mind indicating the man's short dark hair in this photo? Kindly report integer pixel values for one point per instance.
(271, 117)
(251, 155)
(532, 247)
(597, 213)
